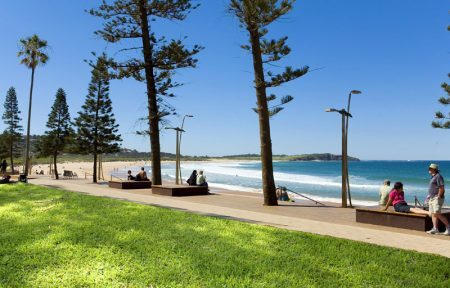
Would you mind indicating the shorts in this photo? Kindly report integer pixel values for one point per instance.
(435, 205)
(402, 207)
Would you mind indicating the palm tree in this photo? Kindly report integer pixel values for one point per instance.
(32, 53)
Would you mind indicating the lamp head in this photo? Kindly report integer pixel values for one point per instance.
(355, 92)
(190, 116)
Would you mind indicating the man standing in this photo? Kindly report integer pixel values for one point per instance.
(384, 192)
(436, 192)
(3, 166)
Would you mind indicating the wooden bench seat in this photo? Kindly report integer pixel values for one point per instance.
(395, 219)
(179, 190)
(130, 184)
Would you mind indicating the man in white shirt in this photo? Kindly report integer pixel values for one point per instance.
(201, 180)
(384, 192)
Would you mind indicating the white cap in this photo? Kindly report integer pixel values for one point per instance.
(434, 166)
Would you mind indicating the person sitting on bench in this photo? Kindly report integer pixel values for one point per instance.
(384, 192)
(201, 180)
(5, 180)
(397, 198)
(141, 176)
(192, 181)
(130, 177)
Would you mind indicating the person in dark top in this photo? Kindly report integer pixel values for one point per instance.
(5, 180)
(141, 176)
(3, 166)
(130, 177)
(192, 181)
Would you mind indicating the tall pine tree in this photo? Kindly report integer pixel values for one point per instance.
(60, 129)
(153, 59)
(12, 133)
(96, 125)
(255, 16)
(443, 120)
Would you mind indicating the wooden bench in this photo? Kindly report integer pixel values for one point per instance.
(69, 174)
(130, 184)
(179, 190)
(395, 219)
(16, 173)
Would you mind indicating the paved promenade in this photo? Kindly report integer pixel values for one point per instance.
(300, 216)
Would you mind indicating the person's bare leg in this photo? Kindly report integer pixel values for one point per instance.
(419, 211)
(442, 218)
(435, 221)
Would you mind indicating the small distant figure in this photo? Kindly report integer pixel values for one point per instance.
(282, 194)
(192, 181)
(5, 180)
(201, 179)
(384, 192)
(3, 166)
(130, 177)
(397, 198)
(142, 176)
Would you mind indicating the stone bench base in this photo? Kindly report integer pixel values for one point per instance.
(179, 190)
(130, 184)
(399, 220)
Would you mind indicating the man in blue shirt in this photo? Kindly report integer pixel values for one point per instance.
(436, 191)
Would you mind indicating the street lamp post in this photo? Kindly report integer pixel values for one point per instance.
(177, 159)
(346, 142)
(345, 115)
(179, 144)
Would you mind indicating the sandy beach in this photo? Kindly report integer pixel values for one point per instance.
(82, 168)
(86, 168)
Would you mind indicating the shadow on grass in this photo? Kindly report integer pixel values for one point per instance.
(56, 238)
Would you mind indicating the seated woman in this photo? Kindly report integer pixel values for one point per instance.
(130, 177)
(397, 198)
(192, 181)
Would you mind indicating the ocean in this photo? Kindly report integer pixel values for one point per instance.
(318, 180)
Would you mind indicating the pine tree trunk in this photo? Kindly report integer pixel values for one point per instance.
(95, 144)
(269, 190)
(55, 155)
(27, 152)
(151, 95)
(94, 174)
(11, 153)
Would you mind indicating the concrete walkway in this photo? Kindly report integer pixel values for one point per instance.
(300, 216)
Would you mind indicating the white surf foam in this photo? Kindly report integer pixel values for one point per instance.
(235, 169)
(234, 187)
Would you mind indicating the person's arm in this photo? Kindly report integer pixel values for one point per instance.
(387, 204)
(441, 192)
(440, 184)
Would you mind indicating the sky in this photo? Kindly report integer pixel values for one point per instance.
(395, 52)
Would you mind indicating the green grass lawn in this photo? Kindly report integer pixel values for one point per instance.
(52, 238)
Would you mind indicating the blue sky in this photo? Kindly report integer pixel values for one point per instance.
(396, 52)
